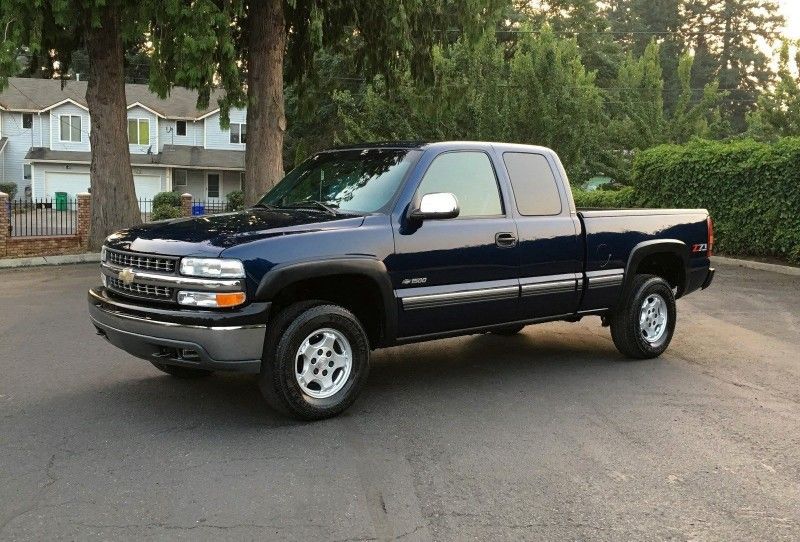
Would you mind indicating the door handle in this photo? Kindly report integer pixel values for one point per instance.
(505, 240)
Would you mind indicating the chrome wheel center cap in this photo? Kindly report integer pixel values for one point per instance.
(323, 363)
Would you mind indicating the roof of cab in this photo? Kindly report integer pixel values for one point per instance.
(439, 144)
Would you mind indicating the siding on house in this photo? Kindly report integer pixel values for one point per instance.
(137, 112)
(55, 115)
(196, 183)
(19, 141)
(216, 137)
(168, 134)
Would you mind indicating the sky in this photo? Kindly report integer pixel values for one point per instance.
(791, 10)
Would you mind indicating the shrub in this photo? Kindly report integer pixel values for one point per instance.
(10, 189)
(172, 199)
(162, 212)
(235, 201)
(750, 188)
(622, 197)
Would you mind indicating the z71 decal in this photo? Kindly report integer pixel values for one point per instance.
(700, 247)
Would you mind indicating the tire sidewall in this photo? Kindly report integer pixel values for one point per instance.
(651, 286)
(307, 322)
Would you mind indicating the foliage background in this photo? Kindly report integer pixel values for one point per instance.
(749, 187)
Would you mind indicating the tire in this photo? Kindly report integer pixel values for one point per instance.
(649, 299)
(314, 326)
(508, 331)
(181, 372)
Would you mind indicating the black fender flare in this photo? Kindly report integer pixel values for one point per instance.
(656, 246)
(283, 275)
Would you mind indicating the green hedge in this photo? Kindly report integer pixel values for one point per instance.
(173, 199)
(752, 190)
(623, 197)
(165, 211)
(10, 189)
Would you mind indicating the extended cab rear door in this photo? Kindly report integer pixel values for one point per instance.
(550, 247)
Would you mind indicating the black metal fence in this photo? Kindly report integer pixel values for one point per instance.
(208, 207)
(59, 216)
(42, 217)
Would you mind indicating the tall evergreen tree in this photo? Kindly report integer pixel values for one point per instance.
(256, 39)
(50, 32)
(728, 37)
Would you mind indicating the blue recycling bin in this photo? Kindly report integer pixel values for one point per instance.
(198, 209)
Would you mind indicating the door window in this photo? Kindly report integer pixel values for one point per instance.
(468, 175)
(534, 184)
(213, 185)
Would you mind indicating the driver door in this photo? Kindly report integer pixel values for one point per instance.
(457, 274)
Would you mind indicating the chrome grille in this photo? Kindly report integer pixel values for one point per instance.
(138, 289)
(147, 262)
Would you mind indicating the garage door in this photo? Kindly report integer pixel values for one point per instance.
(71, 183)
(147, 186)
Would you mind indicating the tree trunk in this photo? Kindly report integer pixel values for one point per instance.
(266, 122)
(114, 204)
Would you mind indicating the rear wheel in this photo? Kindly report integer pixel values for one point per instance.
(643, 324)
(181, 372)
(316, 361)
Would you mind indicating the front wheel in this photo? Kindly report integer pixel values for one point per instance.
(317, 362)
(643, 324)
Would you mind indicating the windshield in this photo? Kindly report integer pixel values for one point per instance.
(361, 181)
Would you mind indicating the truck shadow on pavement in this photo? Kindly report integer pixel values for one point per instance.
(467, 370)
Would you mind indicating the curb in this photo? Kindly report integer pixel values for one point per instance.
(761, 266)
(49, 260)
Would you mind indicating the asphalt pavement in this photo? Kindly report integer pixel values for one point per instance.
(549, 435)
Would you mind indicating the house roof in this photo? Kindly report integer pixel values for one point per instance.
(43, 154)
(198, 157)
(37, 95)
(171, 156)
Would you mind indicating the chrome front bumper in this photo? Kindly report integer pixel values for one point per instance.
(229, 348)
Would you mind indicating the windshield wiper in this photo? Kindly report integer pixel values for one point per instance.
(312, 203)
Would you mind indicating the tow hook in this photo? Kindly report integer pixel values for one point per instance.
(604, 321)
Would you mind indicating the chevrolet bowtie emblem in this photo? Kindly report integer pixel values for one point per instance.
(127, 276)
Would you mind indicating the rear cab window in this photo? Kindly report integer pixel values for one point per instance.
(533, 183)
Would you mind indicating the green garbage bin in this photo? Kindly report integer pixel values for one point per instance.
(61, 201)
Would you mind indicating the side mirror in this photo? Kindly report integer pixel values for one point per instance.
(436, 206)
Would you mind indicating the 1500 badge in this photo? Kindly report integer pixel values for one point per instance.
(417, 280)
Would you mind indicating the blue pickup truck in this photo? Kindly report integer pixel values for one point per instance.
(378, 245)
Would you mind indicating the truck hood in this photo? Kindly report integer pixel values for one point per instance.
(210, 235)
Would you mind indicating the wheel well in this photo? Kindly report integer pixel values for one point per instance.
(357, 293)
(666, 265)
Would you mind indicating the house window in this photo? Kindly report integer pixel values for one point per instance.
(212, 179)
(180, 128)
(180, 178)
(27, 121)
(70, 128)
(238, 133)
(139, 131)
(26, 171)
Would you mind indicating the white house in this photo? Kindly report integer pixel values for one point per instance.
(44, 141)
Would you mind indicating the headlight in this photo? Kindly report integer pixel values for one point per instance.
(103, 254)
(211, 299)
(212, 267)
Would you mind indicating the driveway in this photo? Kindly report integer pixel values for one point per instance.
(548, 435)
